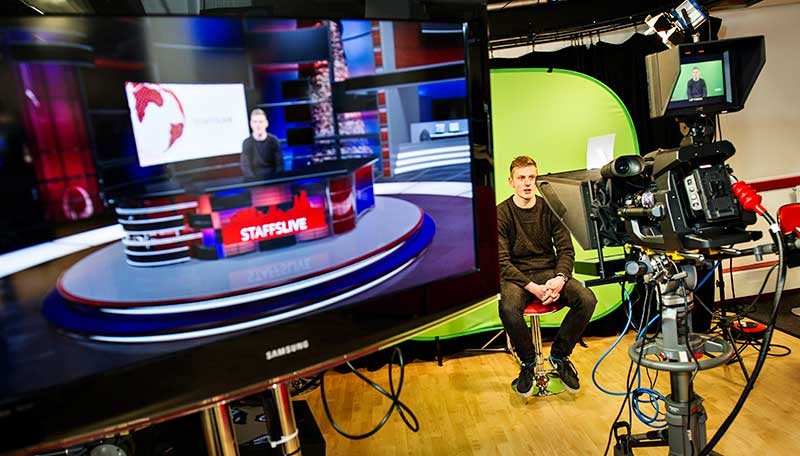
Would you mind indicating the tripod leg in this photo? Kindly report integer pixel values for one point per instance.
(729, 337)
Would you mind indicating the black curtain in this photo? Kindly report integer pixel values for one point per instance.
(621, 67)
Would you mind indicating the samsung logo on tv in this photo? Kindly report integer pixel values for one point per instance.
(287, 349)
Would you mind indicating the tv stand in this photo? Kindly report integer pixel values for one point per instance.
(282, 436)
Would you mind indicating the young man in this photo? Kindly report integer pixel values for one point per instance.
(536, 256)
(696, 87)
(261, 152)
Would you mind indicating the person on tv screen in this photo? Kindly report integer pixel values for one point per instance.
(536, 256)
(696, 87)
(261, 151)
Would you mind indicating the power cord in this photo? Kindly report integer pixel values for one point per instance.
(392, 395)
(777, 237)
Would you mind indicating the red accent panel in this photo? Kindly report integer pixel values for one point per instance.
(384, 135)
(204, 204)
(343, 204)
(379, 59)
(275, 68)
(775, 184)
(411, 49)
(382, 117)
(747, 267)
(385, 154)
(250, 225)
(118, 64)
(381, 98)
(376, 37)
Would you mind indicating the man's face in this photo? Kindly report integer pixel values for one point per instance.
(259, 124)
(695, 74)
(523, 180)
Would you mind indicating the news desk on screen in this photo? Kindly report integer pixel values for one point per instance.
(174, 221)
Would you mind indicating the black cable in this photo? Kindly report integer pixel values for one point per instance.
(780, 355)
(703, 305)
(393, 395)
(630, 379)
(688, 330)
(305, 384)
(629, 382)
(730, 274)
(778, 238)
(752, 305)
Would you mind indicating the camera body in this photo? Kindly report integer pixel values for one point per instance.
(669, 200)
(687, 204)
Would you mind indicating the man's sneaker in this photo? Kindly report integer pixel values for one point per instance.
(523, 385)
(567, 373)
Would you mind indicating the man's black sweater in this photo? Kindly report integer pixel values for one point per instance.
(530, 240)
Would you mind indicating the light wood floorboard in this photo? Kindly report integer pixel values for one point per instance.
(466, 407)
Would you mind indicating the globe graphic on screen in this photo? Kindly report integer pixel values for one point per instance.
(158, 118)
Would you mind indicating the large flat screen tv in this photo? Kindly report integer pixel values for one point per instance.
(135, 289)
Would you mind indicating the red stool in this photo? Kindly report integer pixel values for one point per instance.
(546, 381)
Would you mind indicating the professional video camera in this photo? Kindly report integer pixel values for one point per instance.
(669, 200)
(674, 199)
(675, 209)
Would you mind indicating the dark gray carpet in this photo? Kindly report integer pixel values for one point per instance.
(787, 321)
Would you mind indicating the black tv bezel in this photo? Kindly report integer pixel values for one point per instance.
(182, 382)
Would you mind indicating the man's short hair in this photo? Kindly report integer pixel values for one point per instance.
(258, 112)
(521, 162)
(695, 68)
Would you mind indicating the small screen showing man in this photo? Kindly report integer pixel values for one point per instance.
(700, 81)
(261, 151)
(696, 87)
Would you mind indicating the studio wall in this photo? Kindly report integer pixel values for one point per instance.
(765, 133)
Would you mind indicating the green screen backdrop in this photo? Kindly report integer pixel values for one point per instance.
(549, 115)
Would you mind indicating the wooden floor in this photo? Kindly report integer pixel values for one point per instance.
(466, 407)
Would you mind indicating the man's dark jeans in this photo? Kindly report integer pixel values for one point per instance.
(514, 299)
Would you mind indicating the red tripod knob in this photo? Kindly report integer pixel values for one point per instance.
(748, 197)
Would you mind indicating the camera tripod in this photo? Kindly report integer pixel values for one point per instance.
(673, 351)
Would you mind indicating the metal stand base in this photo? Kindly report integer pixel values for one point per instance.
(218, 431)
(220, 436)
(288, 428)
(673, 351)
(685, 434)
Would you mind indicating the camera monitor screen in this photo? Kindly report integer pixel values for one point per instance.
(702, 81)
(143, 273)
(708, 77)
